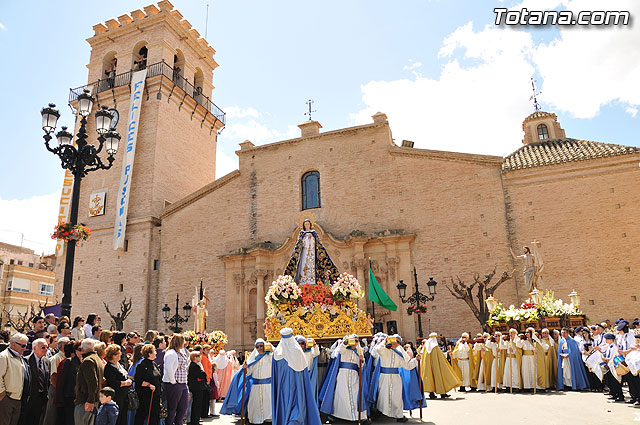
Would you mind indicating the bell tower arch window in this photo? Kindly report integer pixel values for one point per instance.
(543, 132)
(310, 190)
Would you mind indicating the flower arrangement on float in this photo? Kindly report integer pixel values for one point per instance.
(528, 311)
(216, 339)
(346, 288)
(281, 294)
(67, 232)
(286, 297)
(324, 310)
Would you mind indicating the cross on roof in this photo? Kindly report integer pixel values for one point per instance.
(534, 96)
(309, 103)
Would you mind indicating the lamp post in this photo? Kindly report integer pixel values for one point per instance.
(80, 160)
(176, 319)
(417, 297)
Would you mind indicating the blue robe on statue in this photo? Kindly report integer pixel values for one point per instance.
(579, 378)
(292, 398)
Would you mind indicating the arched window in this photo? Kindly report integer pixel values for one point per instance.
(140, 53)
(198, 82)
(178, 68)
(109, 65)
(543, 133)
(311, 190)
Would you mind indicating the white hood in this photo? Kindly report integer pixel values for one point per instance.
(289, 350)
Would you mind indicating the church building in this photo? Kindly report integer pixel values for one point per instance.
(369, 198)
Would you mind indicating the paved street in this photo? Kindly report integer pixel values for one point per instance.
(567, 408)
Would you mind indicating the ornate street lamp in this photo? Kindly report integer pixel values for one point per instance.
(176, 320)
(417, 297)
(575, 298)
(80, 160)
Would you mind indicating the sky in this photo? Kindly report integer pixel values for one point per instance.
(446, 76)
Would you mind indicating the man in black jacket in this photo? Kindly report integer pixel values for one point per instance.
(32, 412)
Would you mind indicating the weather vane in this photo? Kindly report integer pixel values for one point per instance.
(309, 103)
(534, 96)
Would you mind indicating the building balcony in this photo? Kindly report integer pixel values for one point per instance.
(154, 70)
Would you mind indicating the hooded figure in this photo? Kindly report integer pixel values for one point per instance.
(293, 400)
(570, 364)
(342, 387)
(437, 374)
(394, 369)
(311, 352)
(257, 392)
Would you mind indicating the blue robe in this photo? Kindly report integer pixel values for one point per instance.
(313, 377)
(329, 388)
(233, 401)
(411, 392)
(292, 399)
(579, 378)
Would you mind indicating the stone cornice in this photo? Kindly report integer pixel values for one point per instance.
(447, 156)
(150, 220)
(340, 132)
(200, 193)
(271, 249)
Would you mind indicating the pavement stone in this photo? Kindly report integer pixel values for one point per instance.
(551, 408)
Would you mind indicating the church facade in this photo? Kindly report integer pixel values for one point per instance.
(447, 214)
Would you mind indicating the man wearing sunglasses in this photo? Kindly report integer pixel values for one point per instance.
(14, 373)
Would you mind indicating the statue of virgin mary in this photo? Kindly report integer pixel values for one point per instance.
(309, 261)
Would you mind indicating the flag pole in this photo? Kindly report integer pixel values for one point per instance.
(373, 305)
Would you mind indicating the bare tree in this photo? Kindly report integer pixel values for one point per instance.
(117, 320)
(482, 290)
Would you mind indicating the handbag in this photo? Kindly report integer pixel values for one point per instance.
(132, 400)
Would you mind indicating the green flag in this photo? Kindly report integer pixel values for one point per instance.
(377, 294)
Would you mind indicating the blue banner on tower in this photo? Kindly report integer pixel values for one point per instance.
(124, 190)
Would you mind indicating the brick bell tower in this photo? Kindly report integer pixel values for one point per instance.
(174, 156)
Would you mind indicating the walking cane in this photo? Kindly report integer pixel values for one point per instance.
(359, 390)
(421, 389)
(150, 404)
(535, 366)
(510, 370)
(244, 382)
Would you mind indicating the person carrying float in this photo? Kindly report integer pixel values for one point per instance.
(257, 386)
(343, 388)
(293, 400)
(388, 390)
(463, 361)
(311, 352)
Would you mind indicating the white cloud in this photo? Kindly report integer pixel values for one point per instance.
(585, 69)
(480, 98)
(476, 108)
(632, 111)
(32, 219)
(238, 112)
(245, 124)
(2, 27)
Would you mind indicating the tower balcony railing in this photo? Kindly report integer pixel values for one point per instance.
(154, 70)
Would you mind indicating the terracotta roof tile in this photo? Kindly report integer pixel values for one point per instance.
(560, 151)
